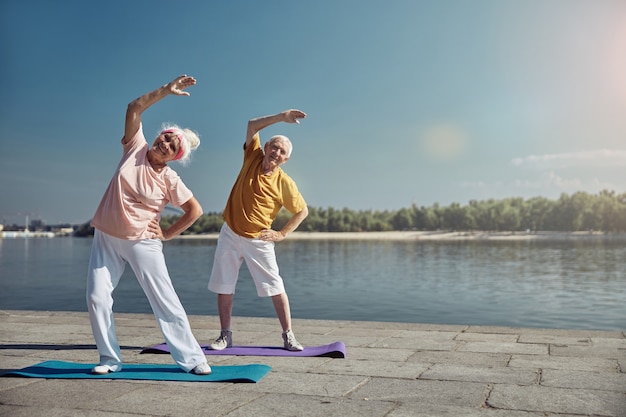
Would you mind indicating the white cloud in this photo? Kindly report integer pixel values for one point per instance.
(576, 184)
(546, 184)
(598, 157)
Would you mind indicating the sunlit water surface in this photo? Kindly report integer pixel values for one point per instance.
(570, 285)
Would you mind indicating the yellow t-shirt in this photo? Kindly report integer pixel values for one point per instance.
(256, 199)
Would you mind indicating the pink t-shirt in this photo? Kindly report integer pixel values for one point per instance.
(137, 194)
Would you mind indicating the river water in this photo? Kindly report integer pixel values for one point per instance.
(576, 284)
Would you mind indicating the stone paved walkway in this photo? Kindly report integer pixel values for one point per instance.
(391, 370)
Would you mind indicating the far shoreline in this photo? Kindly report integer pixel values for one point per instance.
(440, 236)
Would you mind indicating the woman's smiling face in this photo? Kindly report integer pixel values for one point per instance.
(165, 147)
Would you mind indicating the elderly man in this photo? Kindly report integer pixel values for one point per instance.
(260, 191)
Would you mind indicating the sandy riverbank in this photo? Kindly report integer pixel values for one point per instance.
(434, 236)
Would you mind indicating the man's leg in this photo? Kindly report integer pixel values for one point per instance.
(283, 311)
(261, 260)
(226, 264)
(225, 309)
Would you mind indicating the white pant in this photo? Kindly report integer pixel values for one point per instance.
(106, 265)
(260, 258)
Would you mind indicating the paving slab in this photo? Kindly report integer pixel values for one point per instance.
(558, 400)
(584, 380)
(390, 370)
(489, 375)
(462, 358)
(505, 347)
(471, 394)
(567, 363)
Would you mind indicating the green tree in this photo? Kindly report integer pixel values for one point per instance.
(402, 220)
(605, 211)
(454, 217)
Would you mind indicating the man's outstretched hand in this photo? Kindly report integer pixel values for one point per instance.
(293, 116)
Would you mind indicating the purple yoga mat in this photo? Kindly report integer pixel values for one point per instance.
(333, 350)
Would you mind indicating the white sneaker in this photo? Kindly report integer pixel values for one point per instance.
(101, 370)
(225, 340)
(290, 341)
(202, 369)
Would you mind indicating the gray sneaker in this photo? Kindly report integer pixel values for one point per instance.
(290, 341)
(224, 341)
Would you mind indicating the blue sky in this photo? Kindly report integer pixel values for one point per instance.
(408, 102)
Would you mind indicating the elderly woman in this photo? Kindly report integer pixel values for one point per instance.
(127, 231)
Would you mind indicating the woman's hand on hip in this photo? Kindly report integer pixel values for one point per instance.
(155, 228)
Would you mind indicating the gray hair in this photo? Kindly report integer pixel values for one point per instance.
(190, 141)
(284, 139)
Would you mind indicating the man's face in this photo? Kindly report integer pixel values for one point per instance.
(276, 152)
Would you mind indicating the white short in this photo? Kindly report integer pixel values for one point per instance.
(260, 258)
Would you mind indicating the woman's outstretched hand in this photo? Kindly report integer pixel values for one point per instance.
(180, 83)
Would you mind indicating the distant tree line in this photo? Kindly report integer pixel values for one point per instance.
(581, 211)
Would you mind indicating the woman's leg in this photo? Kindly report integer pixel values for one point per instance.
(105, 270)
(147, 260)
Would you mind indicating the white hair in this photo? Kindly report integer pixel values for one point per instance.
(190, 141)
(283, 139)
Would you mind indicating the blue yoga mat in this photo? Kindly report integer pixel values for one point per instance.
(333, 350)
(152, 372)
